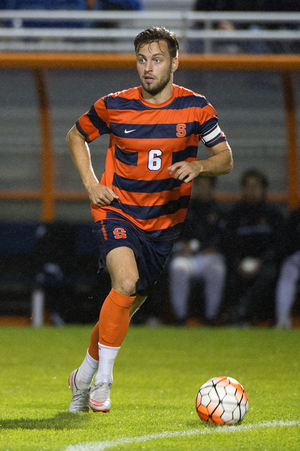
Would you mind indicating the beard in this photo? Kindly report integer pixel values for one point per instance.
(154, 90)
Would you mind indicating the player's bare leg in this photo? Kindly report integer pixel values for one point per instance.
(114, 322)
(123, 271)
(85, 373)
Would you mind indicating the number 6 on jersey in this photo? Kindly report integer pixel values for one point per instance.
(154, 160)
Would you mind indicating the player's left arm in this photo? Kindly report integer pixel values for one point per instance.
(220, 162)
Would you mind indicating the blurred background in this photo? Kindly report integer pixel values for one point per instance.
(56, 61)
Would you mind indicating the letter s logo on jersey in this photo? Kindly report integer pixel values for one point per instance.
(119, 233)
(181, 130)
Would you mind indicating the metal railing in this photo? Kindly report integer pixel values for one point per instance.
(114, 31)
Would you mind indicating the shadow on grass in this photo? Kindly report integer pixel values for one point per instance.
(63, 420)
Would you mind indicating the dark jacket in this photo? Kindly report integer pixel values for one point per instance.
(202, 222)
(252, 231)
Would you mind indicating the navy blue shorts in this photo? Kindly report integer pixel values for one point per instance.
(150, 255)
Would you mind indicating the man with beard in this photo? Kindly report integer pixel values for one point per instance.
(140, 204)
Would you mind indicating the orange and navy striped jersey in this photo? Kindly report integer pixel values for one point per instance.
(145, 139)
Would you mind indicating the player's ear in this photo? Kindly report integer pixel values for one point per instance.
(175, 64)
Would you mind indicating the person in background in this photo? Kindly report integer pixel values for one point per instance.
(251, 238)
(289, 276)
(196, 255)
(140, 204)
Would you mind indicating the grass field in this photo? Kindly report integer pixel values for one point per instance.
(156, 377)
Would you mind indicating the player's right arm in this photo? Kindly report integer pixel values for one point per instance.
(99, 194)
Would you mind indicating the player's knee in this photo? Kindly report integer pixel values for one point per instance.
(126, 286)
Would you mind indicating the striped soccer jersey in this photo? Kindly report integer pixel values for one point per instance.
(145, 139)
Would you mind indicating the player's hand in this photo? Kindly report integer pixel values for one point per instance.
(102, 195)
(184, 170)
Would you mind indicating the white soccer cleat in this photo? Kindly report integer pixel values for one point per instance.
(80, 398)
(100, 397)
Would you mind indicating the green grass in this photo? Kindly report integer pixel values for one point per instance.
(156, 377)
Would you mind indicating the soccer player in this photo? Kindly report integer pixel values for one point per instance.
(140, 204)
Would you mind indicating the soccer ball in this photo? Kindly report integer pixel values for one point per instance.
(222, 400)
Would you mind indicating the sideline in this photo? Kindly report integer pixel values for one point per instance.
(100, 446)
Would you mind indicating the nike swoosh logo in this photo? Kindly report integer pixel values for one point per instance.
(129, 131)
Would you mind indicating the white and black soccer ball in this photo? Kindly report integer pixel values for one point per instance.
(222, 400)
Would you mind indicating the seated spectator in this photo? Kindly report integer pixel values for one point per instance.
(286, 289)
(251, 242)
(197, 256)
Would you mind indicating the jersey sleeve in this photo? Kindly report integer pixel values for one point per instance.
(209, 130)
(94, 122)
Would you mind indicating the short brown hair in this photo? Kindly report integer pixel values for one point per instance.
(156, 34)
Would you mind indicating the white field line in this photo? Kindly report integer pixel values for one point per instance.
(100, 446)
